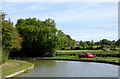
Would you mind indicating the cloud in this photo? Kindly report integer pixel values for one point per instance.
(105, 26)
(82, 21)
(60, 0)
(66, 13)
(95, 35)
(85, 15)
(35, 7)
(86, 12)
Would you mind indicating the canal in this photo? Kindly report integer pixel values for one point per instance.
(56, 68)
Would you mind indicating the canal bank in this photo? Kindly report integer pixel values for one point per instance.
(64, 67)
(15, 67)
(69, 59)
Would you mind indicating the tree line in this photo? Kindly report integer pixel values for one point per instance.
(35, 38)
(102, 44)
(31, 38)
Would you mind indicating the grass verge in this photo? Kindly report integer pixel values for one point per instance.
(63, 51)
(13, 66)
(112, 59)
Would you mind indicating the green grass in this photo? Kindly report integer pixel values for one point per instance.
(66, 56)
(113, 59)
(13, 66)
(82, 51)
(63, 51)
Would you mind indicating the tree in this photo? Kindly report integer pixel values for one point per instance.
(64, 40)
(88, 42)
(83, 44)
(92, 43)
(11, 40)
(105, 42)
(40, 38)
(117, 42)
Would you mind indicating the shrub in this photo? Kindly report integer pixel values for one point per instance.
(77, 48)
(72, 48)
(62, 48)
(5, 55)
(51, 53)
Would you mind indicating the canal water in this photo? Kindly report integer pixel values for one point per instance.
(56, 68)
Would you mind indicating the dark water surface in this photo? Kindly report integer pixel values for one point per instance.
(56, 68)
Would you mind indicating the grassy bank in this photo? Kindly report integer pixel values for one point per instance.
(13, 66)
(112, 59)
(63, 51)
(94, 52)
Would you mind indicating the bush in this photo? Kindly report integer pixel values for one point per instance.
(90, 48)
(5, 55)
(72, 48)
(77, 48)
(62, 48)
(51, 53)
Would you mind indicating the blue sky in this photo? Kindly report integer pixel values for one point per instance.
(81, 20)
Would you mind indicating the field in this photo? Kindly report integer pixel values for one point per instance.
(13, 66)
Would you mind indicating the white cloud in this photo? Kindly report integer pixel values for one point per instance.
(84, 13)
(78, 12)
(60, 0)
(95, 35)
(91, 34)
(105, 26)
(80, 15)
(35, 7)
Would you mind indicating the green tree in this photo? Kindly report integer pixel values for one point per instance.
(105, 42)
(92, 43)
(64, 40)
(11, 40)
(88, 42)
(117, 43)
(40, 38)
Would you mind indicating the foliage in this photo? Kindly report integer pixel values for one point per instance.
(78, 48)
(39, 37)
(102, 44)
(5, 55)
(64, 40)
(11, 40)
(117, 43)
(10, 37)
